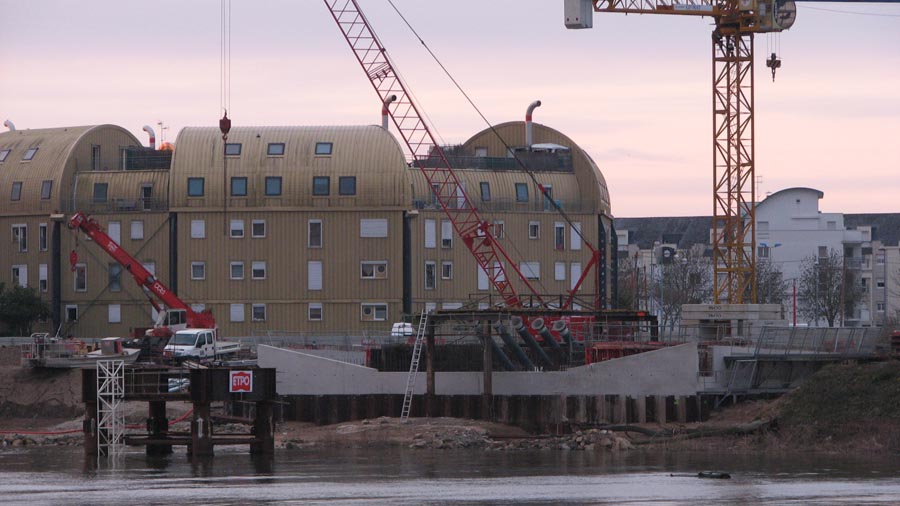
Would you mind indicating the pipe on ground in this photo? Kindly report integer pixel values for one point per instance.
(511, 343)
(538, 326)
(519, 324)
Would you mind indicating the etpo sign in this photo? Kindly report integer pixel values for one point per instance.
(240, 381)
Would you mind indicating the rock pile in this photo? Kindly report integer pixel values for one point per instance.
(590, 440)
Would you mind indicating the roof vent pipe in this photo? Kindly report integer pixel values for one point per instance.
(9, 124)
(385, 112)
(529, 137)
(152, 135)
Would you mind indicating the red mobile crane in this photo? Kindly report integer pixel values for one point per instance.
(174, 313)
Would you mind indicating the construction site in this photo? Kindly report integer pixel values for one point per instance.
(328, 274)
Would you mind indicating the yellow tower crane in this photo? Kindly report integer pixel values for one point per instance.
(736, 22)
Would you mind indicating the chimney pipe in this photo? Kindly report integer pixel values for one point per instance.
(385, 112)
(9, 124)
(152, 135)
(529, 137)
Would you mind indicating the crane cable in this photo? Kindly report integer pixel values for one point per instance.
(225, 100)
(531, 175)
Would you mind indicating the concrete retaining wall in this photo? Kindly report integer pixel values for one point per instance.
(667, 372)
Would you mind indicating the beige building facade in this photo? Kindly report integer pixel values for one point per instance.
(306, 229)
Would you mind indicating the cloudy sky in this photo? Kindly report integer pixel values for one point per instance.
(635, 91)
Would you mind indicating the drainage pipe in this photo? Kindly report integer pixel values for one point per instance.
(511, 343)
(538, 326)
(519, 324)
(501, 356)
(529, 135)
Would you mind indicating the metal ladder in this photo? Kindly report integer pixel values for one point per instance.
(414, 367)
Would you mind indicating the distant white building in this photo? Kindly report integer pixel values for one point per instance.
(790, 228)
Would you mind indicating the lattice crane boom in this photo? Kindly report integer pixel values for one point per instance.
(426, 153)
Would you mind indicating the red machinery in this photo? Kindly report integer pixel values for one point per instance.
(174, 314)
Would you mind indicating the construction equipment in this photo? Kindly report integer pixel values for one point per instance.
(736, 22)
(428, 156)
(174, 314)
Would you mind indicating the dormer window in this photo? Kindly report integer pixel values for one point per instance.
(275, 149)
(324, 148)
(29, 154)
(3, 154)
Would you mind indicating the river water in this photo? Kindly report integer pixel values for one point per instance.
(62, 476)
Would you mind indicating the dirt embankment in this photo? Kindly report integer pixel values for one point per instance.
(37, 393)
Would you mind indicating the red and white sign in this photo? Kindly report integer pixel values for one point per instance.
(240, 381)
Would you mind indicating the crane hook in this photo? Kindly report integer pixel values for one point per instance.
(773, 63)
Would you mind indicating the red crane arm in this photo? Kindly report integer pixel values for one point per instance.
(141, 275)
(426, 152)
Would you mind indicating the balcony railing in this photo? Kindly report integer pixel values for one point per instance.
(506, 204)
(116, 205)
(533, 161)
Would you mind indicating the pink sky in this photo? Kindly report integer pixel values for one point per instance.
(635, 91)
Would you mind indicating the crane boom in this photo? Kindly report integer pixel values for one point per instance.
(146, 280)
(426, 152)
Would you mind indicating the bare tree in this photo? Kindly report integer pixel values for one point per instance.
(686, 279)
(771, 287)
(632, 284)
(828, 289)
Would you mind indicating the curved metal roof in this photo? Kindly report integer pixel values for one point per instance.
(368, 153)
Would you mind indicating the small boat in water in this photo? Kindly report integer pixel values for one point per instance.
(50, 352)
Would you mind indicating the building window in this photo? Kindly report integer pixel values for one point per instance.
(314, 312)
(258, 228)
(534, 230)
(42, 277)
(3, 154)
(762, 251)
(430, 275)
(447, 270)
(258, 270)
(879, 259)
(195, 186)
(485, 191)
(323, 148)
(46, 189)
(373, 270)
(101, 192)
(275, 149)
(531, 270)
(95, 157)
(20, 275)
(314, 275)
(71, 313)
(559, 236)
(198, 270)
(879, 283)
(499, 229)
(446, 234)
(80, 277)
(258, 312)
(42, 237)
(373, 312)
(521, 192)
(232, 149)
(29, 154)
(239, 187)
(314, 239)
(321, 185)
(237, 270)
(137, 230)
(146, 196)
(114, 313)
(20, 237)
(16, 193)
(373, 228)
(575, 237)
(559, 271)
(547, 197)
(273, 186)
(237, 229)
(236, 311)
(347, 185)
(115, 277)
(198, 229)
(430, 234)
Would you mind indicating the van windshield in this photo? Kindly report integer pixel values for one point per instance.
(183, 339)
